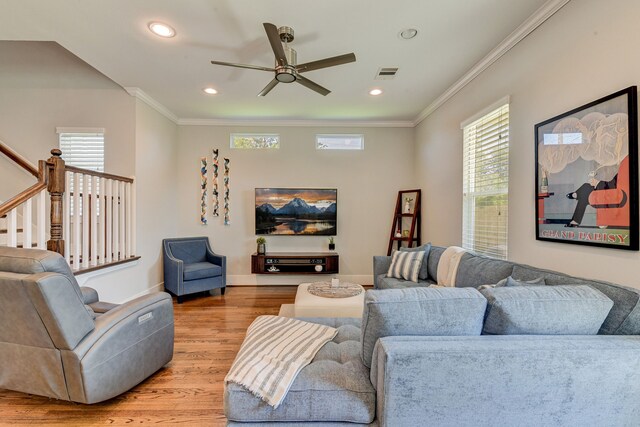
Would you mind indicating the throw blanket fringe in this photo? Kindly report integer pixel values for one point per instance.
(448, 265)
(273, 353)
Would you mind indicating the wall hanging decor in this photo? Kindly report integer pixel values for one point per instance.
(203, 190)
(227, 218)
(587, 174)
(215, 202)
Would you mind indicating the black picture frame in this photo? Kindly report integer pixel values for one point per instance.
(586, 174)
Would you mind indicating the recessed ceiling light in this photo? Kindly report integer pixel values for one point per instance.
(409, 33)
(210, 90)
(375, 92)
(161, 29)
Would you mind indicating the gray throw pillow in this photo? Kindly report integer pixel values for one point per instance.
(510, 281)
(545, 310)
(420, 311)
(424, 272)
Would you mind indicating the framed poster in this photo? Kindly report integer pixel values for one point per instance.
(587, 174)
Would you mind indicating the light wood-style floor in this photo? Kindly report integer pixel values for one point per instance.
(208, 334)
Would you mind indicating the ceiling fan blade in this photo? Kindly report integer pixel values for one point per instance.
(276, 44)
(250, 67)
(327, 62)
(313, 86)
(268, 87)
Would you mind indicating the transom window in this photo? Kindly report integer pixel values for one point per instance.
(486, 183)
(255, 141)
(339, 142)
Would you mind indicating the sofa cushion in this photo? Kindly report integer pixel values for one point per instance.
(385, 282)
(545, 310)
(424, 270)
(334, 387)
(624, 317)
(201, 270)
(406, 265)
(420, 311)
(510, 281)
(475, 270)
(432, 262)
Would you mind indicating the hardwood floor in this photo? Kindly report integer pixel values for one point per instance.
(208, 334)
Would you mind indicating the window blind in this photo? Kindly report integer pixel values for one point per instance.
(486, 183)
(83, 149)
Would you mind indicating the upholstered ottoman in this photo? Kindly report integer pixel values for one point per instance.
(334, 388)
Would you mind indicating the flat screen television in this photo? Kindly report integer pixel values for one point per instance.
(296, 211)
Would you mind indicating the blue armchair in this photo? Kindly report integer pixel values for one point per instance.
(190, 266)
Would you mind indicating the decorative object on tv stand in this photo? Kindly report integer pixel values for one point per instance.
(296, 211)
(227, 218)
(262, 245)
(215, 199)
(587, 174)
(332, 244)
(407, 204)
(203, 190)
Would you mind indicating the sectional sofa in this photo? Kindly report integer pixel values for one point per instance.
(423, 356)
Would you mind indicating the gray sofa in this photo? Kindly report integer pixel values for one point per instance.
(58, 340)
(395, 371)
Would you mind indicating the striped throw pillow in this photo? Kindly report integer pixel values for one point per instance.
(406, 265)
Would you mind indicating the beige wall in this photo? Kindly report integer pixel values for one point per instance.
(43, 86)
(585, 51)
(156, 210)
(367, 182)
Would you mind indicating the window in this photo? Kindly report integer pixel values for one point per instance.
(340, 142)
(486, 182)
(82, 148)
(255, 141)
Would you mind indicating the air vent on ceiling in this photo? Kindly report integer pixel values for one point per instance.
(386, 73)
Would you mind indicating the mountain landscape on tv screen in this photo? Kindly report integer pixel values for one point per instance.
(306, 212)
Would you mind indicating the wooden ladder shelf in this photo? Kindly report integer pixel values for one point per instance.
(398, 217)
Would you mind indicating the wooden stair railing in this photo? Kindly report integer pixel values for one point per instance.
(92, 214)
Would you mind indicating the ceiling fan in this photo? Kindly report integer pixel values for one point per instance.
(286, 69)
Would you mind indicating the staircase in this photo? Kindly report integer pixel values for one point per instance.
(87, 216)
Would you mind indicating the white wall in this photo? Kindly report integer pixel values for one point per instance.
(586, 51)
(367, 183)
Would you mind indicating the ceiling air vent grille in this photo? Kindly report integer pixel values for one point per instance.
(386, 73)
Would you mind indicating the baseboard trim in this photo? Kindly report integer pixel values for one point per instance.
(289, 280)
(155, 288)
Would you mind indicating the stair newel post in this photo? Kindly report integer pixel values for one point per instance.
(56, 189)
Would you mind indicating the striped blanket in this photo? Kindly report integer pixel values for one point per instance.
(273, 353)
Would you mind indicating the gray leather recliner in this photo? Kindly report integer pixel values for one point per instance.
(58, 340)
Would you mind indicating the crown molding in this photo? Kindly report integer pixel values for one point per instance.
(545, 12)
(147, 99)
(297, 123)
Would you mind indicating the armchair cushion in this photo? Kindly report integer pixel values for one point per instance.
(201, 270)
(190, 251)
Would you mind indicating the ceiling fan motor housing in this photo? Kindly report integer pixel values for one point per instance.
(287, 73)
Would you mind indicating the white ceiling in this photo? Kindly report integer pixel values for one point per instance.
(112, 36)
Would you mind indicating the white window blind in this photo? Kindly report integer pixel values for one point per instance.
(83, 149)
(486, 183)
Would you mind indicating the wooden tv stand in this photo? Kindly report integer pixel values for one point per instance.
(294, 263)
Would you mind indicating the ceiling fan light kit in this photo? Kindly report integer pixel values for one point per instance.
(287, 69)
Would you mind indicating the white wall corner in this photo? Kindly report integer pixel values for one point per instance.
(545, 12)
(147, 99)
